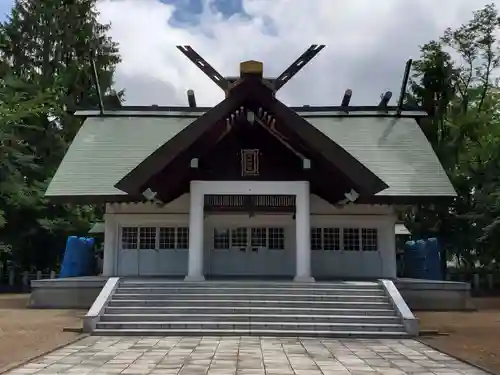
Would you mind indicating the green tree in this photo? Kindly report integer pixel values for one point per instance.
(47, 47)
(454, 81)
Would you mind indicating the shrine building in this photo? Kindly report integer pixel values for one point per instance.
(251, 187)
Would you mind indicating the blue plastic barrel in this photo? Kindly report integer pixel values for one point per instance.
(78, 257)
(433, 261)
(414, 259)
(70, 259)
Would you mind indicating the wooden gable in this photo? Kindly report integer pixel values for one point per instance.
(250, 95)
(271, 160)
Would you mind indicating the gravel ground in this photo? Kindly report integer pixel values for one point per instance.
(25, 333)
(473, 336)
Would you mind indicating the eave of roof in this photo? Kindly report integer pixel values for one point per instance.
(401, 229)
(304, 111)
(96, 160)
(97, 228)
(125, 198)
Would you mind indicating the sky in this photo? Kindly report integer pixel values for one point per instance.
(367, 44)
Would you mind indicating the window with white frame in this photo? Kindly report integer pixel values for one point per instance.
(239, 237)
(221, 238)
(331, 238)
(147, 238)
(129, 238)
(325, 238)
(276, 238)
(173, 238)
(369, 239)
(182, 238)
(272, 238)
(151, 238)
(351, 239)
(167, 238)
(258, 237)
(316, 239)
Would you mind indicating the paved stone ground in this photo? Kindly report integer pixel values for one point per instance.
(245, 356)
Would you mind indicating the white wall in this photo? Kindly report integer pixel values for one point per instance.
(381, 263)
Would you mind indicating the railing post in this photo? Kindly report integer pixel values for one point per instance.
(38, 275)
(489, 277)
(25, 278)
(475, 281)
(11, 277)
(52, 274)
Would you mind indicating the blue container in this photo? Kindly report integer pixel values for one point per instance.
(70, 258)
(415, 259)
(433, 263)
(88, 256)
(78, 257)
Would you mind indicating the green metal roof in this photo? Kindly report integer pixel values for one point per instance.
(401, 229)
(97, 228)
(106, 149)
(396, 150)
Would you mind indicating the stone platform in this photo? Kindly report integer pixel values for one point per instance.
(66, 293)
(432, 295)
(81, 292)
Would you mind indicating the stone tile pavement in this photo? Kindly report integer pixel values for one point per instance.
(245, 356)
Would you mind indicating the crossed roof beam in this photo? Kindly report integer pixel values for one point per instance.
(251, 94)
(226, 83)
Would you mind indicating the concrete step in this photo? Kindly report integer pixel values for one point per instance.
(248, 296)
(283, 311)
(252, 332)
(187, 303)
(249, 284)
(254, 325)
(247, 318)
(249, 290)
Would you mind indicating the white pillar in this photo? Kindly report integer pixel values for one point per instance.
(110, 246)
(303, 235)
(195, 258)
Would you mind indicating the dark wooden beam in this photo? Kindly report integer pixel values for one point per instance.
(404, 84)
(367, 183)
(191, 99)
(346, 99)
(308, 111)
(204, 66)
(252, 209)
(166, 153)
(279, 137)
(297, 65)
(97, 86)
(175, 177)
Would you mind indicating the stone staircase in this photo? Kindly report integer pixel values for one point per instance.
(336, 309)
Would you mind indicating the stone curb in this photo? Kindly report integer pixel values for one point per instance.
(479, 367)
(8, 368)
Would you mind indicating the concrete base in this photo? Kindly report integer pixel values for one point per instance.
(194, 278)
(432, 295)
(67, 293)
(81, 292)
(302, 279)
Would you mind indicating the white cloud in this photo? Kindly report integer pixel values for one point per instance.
(367, 42)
